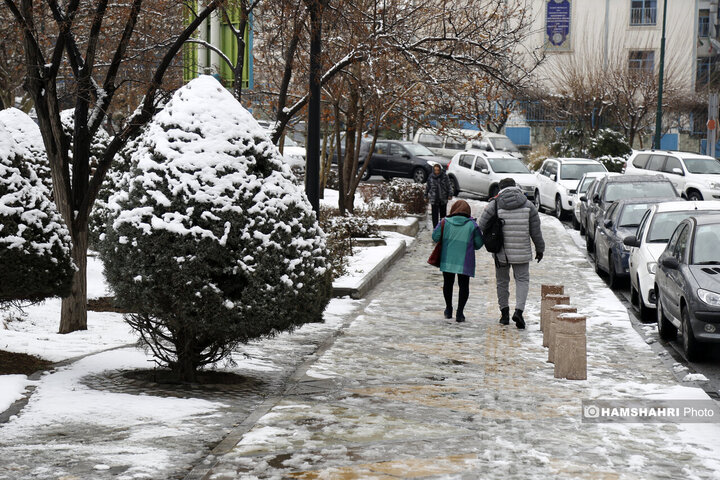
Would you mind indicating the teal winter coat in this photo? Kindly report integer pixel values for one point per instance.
(460, 238)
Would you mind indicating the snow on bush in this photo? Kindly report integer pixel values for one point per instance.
(29, 141)
(210, 241)
(34, 241)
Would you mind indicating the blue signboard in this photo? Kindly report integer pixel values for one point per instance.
(557, 24)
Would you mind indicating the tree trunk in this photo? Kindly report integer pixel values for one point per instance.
(73, 313)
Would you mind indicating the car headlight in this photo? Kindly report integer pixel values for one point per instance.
(713, 185)
(652, 266)
(711, 298)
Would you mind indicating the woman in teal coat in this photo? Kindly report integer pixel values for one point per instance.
(460, 238)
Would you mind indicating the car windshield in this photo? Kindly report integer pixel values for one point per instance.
(663, 225)
(503, 144)
(586, 184)
(508, 165)
(618, 191)
(632, 214)
(575, 171)
(705, 248)
(703, 165)
(289, 142)
(418, 150)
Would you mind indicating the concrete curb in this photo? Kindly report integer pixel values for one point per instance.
(373, 277)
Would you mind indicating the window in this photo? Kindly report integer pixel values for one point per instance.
(396, 150)
(640, 161)
(480, 164)
(671, 164)
(642, 61)
(656, 163)
(381, 148)
(643, 12)
(455, 143)
(466, 161)
(704, 23)
(643, 225)
(430, 140)
(679, 250)
(705, 68)
(575, 171)
(672, 243)
(632, 214)
(705, 250)
(551, 170)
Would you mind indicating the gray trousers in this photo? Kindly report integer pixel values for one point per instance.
(521, 272)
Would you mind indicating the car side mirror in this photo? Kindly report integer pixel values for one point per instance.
(553, 177)
(671, 262)
(607, 222)
(583, 198)
(405, 155)
(631, 241)
(677, 171)
(485, 171)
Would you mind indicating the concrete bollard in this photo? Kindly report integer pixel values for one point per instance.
(550, 301)
(550, 327)
(546, 290)
(570, 347)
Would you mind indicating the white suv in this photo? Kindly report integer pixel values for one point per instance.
(654, 230)
(479, 172)
(695, 176)
(558, 179)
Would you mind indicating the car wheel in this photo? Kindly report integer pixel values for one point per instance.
(666, 329)
(558, 208)
(692, 348)
(366, 176)
(455, 186)
(644, 312)
(575, 223)
(536, 200)
(419, 175)
(613, 280)
(493, 192)
(694, 196)
(598, 270)
(589, 243)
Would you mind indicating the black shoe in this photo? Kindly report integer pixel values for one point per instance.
(505, 316)
(448, 312)
(518, 319)
(460, 318)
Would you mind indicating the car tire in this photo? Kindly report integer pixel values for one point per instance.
(694, 196)
(575, 223)
(598, 269)
(494, 190)
(559, 212)
(589, 243)
(455, 186)
(366, 176)
(613, 279)
(666, 329)
(691, 347)
(419, 175)
(536, 200)
(644, 313)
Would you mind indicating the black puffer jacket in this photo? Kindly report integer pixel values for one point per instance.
(437, 188)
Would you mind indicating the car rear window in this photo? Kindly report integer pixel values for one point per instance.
(618, 191)
(641, 160)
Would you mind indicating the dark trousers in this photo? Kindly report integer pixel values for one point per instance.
(463, 284)
(438, 211)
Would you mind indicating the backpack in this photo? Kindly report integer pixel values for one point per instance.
(493, 233)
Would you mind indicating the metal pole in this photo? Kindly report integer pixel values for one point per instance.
(658, 115)
(312, 168)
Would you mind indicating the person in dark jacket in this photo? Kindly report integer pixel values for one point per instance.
(438, 192)
(460, 238)
(521, 224)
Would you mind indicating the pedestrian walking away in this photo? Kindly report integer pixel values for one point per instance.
(521, 224)
(438, 192)
(460, 237)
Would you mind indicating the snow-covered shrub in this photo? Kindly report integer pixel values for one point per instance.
(569, 143)
(412, 195)
(34, 241)
(611, 148)
(384, 209)
(29, 140)
(210, 242)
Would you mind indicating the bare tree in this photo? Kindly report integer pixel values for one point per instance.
(75, 187)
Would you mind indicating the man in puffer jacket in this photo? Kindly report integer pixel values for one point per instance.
(521, 224)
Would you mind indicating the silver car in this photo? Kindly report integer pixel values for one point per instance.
(479, 172)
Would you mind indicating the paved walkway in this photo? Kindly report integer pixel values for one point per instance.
(403, 393)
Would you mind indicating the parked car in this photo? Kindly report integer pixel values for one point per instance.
(648, 243)
(479, 172)
(611, 188)
(621, 220)
(579, 207)
(687, 284)
(449, 142)
(293, 153)
(397, 158)
(695, 176)
(558, 179)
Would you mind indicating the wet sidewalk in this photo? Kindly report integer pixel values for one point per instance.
(403, 393)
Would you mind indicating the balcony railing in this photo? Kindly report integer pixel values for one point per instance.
(643, 16)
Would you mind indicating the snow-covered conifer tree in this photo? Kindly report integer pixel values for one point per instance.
(210, 242)
(27, 135)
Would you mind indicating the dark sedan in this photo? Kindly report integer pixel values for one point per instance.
(621, 220)
(396, 158)
(612, 188)
(687, 284)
